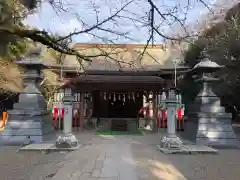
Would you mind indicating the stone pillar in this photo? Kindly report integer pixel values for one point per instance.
(29, 121)
(67, 140)
(171, 140)
(214, 126)
(68, 100)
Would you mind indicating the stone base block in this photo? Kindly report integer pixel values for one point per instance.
(54, 148)
(24, 139)
(27, 130)
(37, 147)
(171, 143)
(46, 148)
(216, 134)
(188, 149)
(221, 143)
(66, 141)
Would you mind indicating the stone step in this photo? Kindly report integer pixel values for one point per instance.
(214, 127)
(216, 134)
(26, 131)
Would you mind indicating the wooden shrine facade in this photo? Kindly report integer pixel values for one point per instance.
(116, 94)
(108, 90)
(119, 95)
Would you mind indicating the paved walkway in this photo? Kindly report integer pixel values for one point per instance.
(118, 157)
(105, 162)
(137, 158)
(28, 165)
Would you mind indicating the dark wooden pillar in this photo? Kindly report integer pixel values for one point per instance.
(169, 83)
(81, 110)
(104, 104)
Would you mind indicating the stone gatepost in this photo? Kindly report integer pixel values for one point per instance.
(67, 140)
(171, 141)
(29, 121)
(214, 126)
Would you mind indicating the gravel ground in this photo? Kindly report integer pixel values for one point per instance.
(28, 165)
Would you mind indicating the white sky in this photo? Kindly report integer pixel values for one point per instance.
(66, 22)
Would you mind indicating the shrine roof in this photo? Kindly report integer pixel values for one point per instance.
(116, 57)
(116, 78)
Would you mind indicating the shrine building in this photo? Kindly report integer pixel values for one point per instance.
(119, 83)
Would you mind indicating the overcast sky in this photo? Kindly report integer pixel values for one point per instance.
(68, 21)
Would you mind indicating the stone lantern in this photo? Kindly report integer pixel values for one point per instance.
(171, 141)
(214, 126)
(67, 140)
(29, 121)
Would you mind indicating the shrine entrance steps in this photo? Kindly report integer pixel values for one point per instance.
(119, 125)
(128, 125)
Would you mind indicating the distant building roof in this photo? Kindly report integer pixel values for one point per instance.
(118, 57)
(117, 78)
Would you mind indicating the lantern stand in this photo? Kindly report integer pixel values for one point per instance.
(67, 140)
(171, 141)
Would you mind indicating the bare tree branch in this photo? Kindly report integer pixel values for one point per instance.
(96, 25)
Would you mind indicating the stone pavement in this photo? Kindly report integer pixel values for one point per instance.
(137, 158)
(100, 161)
(28, 165)
(118, 157)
